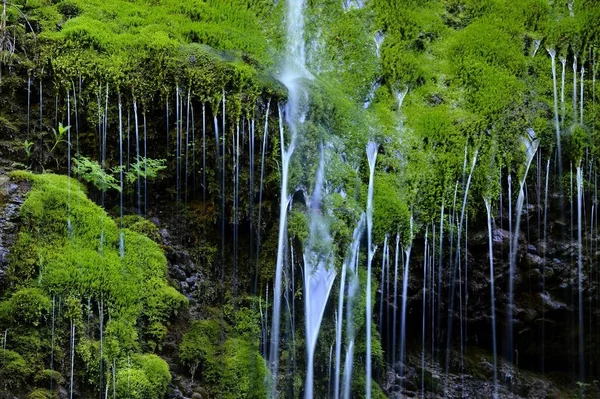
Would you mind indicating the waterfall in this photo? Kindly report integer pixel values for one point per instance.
(384, 261)
(492, 294)
(294, 70)
(580, 272)
(121, 234)
(581, 95)
(395, 299)
(544, 257)
(260, 190)
(286, 155)
(531, 145)
(575, 88)
(352, 292)
(423, 311)
(72, 359)
(404, 301)
(552, 53)
(319, 273)
(348, 262)
(563, 61)
(372, 158)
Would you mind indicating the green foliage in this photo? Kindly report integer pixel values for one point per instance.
(199, 347)
(28, 306)
(59, 137)
(145, 168)
(14, 371)
(93, 173)
(27, 147)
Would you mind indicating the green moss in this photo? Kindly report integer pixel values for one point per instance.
(68, 250)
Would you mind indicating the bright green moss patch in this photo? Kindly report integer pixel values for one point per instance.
(66, 270)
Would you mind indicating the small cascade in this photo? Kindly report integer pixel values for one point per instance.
(379, 37)
(424, 312)
(4, 341)
(260, 190)
(440, 273)
(536, 47)
(204, 165)
(145, 164)
(384, 262)
(575, 88)
(121, 234)
(457, 266)
(530, 145)
(68, 128)
(187, 143)
(347, 264)
(546, 206)
(28, 103)
(488, 209)
(177, 146)
(286, 155)
(581, 80)
(137, 155)
(372, 158)
(563, 106)
(319, 273)
(552, 53)
(394, 335)
(72, 359)
(51, 341)
(580, 271)
(353, 288)
(405, 301)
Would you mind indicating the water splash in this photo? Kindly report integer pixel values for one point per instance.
(319, 273)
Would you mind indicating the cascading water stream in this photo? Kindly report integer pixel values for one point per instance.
(319, 274)
(121, 234)
(424, 314)
(457, 263)
(580, 272)
(286, 155)
(492, 294)
(544, 263)
(348, 263)
(563, 108)
(372, 149)
(575, 88)
(260, 192)
(405, 301)
(384, 262)
(531, 145)
(552, 53)
(353, 288)
(294, 71)
(397, 253)
(581, 94)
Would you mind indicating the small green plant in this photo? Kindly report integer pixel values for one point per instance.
(144, 168)
(92, 172)
(27, 146)
(59, 136)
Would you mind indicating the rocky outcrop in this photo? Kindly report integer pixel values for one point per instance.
(12, 196)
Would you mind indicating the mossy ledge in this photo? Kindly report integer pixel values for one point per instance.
(68, 273)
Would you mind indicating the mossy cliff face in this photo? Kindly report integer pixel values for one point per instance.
(433, 82)
(66, 274)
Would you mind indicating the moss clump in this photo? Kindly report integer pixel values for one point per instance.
(65, 267)
(224, 357)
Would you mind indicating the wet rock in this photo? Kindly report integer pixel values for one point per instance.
(12, 196)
